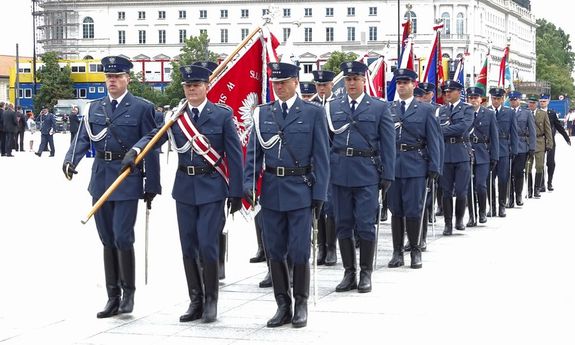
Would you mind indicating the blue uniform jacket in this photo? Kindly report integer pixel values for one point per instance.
(216, 123)
(485, 129)
(373, 117)
(507, 125)
(418, 126)
(456, 125)
(305, 132)
(525, 130)
(48, 122)
(133, 118)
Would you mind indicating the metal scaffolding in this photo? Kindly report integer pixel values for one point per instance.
(57, 25)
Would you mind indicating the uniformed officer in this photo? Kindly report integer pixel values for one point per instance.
(113, 124)
(417, 163)
(543, 144)
(47, 129)
(307, 90)
(484, 138)
(456, 118)
(507, 126)
(291, 136)
(362, 162)
(556, 126)
(326, 237)
(200, 188)
(525, 147)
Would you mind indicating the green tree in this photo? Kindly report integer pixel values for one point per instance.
(194, 49)
(336, 59)
(144, 90)
(555, 60)
(56, 82)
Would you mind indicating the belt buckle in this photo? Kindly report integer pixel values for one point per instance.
(475, 140)
(349, 151)
(191, 170)
(280, 171)
(107, 155)
(452, 140)
(402, 147)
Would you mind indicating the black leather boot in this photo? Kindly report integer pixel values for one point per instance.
(195, 290)
(321, 229)
(260, 254)
(502, 199)
(423, 240)
(330, 242)
(471, 211)
(267, 281)
(482, 202)
(439, 202)
(550, 173)
(448, 215)
(211, 287)
(280, 277)
(112, 284)
(300, 294)
(460, 213)
(413, 233)
(491, 198)
(347, 251)
(366, 253)
(530, 185)
(519, 191)
(222, 256)
(537, 188)
(384, 209)
(397, 236)
(511, 196)
(127, 264)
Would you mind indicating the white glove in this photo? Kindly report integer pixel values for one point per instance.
(51, 132)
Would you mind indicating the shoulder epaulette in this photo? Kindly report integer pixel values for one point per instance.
(224, 106)
(143, 99)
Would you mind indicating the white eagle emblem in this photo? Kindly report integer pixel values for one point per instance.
(246, 111)
(112, 60)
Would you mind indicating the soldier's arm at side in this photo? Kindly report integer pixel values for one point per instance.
(434, 141)
(493, 137)
(152, 159)
(234, 155)
(387, 143)
(532, 132)
(252, 169)
(79, 146)
(559, 127)
(548, 133)
(514, 135)
(320, 152)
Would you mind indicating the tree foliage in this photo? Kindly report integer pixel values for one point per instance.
(555, 60)
(336, 59)
(56, 83)
(144, 90)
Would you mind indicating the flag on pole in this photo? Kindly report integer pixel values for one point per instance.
(376, 74)
(482, 78)
(459, 76)
(433, 73)
(405, 60)
(503, 67)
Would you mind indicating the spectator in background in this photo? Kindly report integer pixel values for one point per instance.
(47, 130)
(2, 148)
(31, 125)
(74, 122)
(9, 118)
(19, 138)
(570, 122)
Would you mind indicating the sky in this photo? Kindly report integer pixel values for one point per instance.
(17, 27)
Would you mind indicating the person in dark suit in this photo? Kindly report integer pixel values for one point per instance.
(418, 141)
(456, 119)
(47, 129)
(19, 138)
(200, 190)
(290, 134)
(115, 123)
(2, 135)
(362, 161)
(556, 126)
(10, 120)
(74, 119)
(484, 138)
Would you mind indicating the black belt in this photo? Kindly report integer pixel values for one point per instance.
(409, 147)
(351, 152)
(284, 171)
(477, 140)
(109, 155)
(192, 170)
(455, 140)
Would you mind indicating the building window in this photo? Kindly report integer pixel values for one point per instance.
(101, 88)
(92, 89)
(308, 35)
(351, 33)
(245, 13)
(329, 12)
(122, 15)
(351, 11)
(96, 67)
(287, 33)
(78, 69)
(121, 37)
(307, 67)
(142, 36)
(162, 36)
(287, 12)
(373, 11)
(223, 14)
(183, 36)
(141, 15)
(181, 14)
(224, 35)
(203, 32)
(245, 33)
(329, 34)
(24, 70)
(24, 93)
(88, 28)
(411, 15)
(446, 23)
(59, 30)
(80, 93)
(203, 14)
(459, 25)
(373, 33)
(307, 12)
(161, 14)
(265, 11)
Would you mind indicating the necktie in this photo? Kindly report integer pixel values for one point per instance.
(114, 105)
(284, 110)
(196, 114)
(475, 113)
(402, 108)
(353, 103)
(496, 112)
(451, 108)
